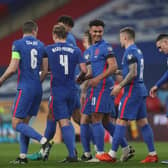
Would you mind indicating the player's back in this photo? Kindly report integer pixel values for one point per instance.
(31, 53)
(63, 59)
(134, 54)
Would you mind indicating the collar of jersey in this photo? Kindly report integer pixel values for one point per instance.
(131, 46)
(99, 42)
(29, 37)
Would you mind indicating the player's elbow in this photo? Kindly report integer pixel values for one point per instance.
(83, 68)
(13, 70)
(113, 69)
(134, 74)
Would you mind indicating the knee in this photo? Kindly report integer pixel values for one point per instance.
(84, 119)
(50, 115)
(97, 118)
(15, 122)
(142, 122)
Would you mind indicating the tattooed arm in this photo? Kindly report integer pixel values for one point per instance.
(130, 76)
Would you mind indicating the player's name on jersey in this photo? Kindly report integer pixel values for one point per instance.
(68, 49)
(34, 43)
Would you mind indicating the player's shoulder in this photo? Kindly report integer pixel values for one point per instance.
(106, 45)
(135, 50)
(18, 41)
(17, 44)
(40, 43)
(50, 46)
(87, 53)
(70, 35)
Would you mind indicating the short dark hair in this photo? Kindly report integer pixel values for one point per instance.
(67, 20)
(96, 22)
(60, 31)
(161, 36)
(129, 30)
(87, 33)
(29, 26)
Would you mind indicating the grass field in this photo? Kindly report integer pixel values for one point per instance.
(10, 151)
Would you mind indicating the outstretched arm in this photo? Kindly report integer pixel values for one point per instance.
(11, 69)
(160, 82)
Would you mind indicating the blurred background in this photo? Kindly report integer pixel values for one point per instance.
(148, 17)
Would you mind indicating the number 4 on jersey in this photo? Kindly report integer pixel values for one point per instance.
(64, 63)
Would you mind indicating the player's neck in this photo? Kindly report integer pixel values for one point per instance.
(28, 34)
(129, 43)
(60, 40)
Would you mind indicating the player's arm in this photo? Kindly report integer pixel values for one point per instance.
(84, 76)
(12, 68)
(83, 67)
(83, 88)
(158, 84)
(84, 85)
(111, 68)
(130, 76)
(118, 72)
(44, 71)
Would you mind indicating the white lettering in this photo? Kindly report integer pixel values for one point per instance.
(67, 49)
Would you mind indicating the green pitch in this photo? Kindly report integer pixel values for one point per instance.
(9, 152)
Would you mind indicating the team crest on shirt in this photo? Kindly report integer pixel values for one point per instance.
(87, 56)
(109, 49)
(130, 56)
(96, 52)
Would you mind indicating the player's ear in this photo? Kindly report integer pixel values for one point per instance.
(34, 32)
(54, 37)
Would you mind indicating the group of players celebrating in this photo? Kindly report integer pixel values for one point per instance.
(93, 107)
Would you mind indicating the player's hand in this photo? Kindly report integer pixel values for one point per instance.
(153, 91)
(116, 90)
(94, 82)
(79, 80)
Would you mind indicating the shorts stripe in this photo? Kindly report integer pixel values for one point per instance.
(82, 110)
(17, 102)
(126, 99)
(51, 79)
(90, 97)
(101, 91)
(51, 107)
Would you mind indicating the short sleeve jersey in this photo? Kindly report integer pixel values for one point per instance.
(71, 39)
(131, 55)
(31, 52)
(63, 59)
(100, 52)
(87, 54)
